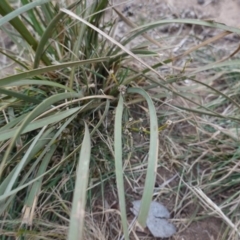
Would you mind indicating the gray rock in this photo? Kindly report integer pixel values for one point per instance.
(160, 227)
(157, 219)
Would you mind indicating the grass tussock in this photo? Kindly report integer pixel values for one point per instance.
(89, 124)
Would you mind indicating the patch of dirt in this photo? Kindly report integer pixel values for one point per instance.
(206, 229)
(223, 11)
(6, 45)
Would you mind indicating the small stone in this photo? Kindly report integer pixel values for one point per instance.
(157, 220)
(160, 227)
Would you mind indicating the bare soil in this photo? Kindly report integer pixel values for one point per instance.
(223, 11)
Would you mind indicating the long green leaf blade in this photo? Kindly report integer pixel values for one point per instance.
(21, 10)
(18, 77)
(152, 158)
(7, 10)
(119, 165)
(76, 227)
(8, 133)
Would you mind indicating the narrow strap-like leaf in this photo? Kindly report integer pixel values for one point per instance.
(152, 158)
(76, 227)
(119, 165)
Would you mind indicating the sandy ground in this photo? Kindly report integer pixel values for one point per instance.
(224, 11)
